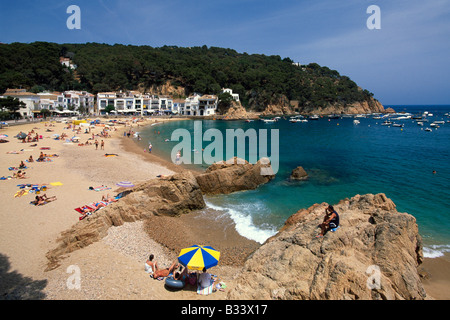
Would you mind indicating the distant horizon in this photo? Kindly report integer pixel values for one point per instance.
(399, 51)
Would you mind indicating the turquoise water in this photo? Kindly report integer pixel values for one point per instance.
(342, 160)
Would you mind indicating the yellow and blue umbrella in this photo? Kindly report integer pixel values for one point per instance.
(198, 257)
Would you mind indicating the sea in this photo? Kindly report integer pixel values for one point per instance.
(409, 163)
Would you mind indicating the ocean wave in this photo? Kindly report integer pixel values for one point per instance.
(244, 224)
(435, 251)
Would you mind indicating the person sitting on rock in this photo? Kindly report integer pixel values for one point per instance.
(330, 221)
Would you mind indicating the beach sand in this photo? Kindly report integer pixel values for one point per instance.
(112, 268)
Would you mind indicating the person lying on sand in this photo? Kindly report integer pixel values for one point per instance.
(108, 199)
(161, 273)
(41, 200)
(19, 175)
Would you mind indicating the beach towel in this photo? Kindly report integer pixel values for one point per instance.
(56, 183)
(20, 193)
(100, 188)
(44, 148)
(16, 169)
(205, 291)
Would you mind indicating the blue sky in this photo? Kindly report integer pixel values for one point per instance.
(407, 61)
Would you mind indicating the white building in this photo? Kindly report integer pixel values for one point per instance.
(234, 95)
(197, 105)
(67, 63)
(76, 100)
(30, 99)
(134, 102)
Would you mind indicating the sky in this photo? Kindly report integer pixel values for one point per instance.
(404, 62)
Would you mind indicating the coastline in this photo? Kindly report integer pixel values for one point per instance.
(28, 232)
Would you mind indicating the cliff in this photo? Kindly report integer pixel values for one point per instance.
(373, 255)
(284, 107)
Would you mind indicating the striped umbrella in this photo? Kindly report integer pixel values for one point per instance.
(198, 257)
(125, 184)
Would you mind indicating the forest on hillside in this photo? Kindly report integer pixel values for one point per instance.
(258, 79)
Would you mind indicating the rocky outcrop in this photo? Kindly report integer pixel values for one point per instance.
(373, 255)
(171, 196)
(237, 111)
(234, 175)
(298, 174)
(363, 107)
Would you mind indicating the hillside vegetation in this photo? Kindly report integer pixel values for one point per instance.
(259, 79)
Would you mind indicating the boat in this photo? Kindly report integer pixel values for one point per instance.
(248, 120)
(314, 117)
(386, 123)
(420, 123)
(439, 122)
(402, 118)
(356, 122)
(269, 120)
(398, 125)
(333, 116)
(428, 129)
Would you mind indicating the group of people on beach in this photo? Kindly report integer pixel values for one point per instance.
(177, 271)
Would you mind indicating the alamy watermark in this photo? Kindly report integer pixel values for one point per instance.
(374, 21)
(374, 280)
(74, 20)
(235, 140)
(74, 280)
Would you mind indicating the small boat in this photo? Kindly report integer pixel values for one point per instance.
(269, 120)
(428, 129)
(356, 122)
(386, 123)
(314, 117)
(439, 122)
(419, 123)
(248, 120)
(434, 125)
(398, 125)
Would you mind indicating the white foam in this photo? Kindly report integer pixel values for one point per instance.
(244, 224)
(435, 251)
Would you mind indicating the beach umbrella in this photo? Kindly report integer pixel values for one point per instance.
(22, 135)
(3, 136)
(125, 184)
(198, 257)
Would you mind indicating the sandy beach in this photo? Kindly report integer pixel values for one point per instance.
(112, 268)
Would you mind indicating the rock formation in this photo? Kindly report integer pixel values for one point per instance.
(171, 196)
(363, 107)
(298, 174)
(373, 255)
(233, 175)
(237, 111)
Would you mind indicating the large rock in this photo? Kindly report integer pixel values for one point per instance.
(373, 255)
(170, 196)
(298, 174)
(234, 175)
